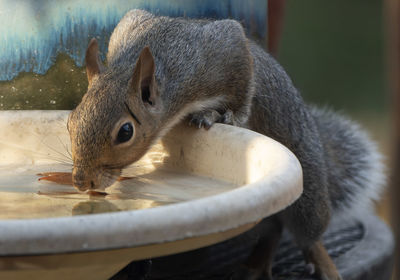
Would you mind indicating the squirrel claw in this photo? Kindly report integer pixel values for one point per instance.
(208, 117)
(204, 118)
(227, 118)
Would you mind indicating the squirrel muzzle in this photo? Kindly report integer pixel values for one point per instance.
(82, 180)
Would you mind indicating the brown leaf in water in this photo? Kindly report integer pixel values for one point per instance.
(65, 178)
(62, 178)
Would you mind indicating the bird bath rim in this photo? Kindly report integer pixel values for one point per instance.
(245, 205)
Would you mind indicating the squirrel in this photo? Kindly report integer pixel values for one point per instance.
(163, 70)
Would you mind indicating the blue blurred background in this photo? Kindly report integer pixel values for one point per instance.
(43, 43)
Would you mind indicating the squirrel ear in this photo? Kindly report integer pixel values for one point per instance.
(92, 60)
(143, 79)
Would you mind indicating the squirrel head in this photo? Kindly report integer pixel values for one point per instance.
(116, 121)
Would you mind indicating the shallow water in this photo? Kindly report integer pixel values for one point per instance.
(23, 196)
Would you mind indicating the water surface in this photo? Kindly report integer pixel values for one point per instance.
(23, 196)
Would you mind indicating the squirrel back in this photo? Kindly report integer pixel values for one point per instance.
(184, 49)
(328, 145)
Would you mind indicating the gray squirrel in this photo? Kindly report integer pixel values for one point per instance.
(164, 70)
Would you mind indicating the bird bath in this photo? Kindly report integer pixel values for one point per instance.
(192, 189)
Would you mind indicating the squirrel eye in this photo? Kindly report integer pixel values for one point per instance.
(125, 133)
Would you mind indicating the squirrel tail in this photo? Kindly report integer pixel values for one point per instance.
(356, 172)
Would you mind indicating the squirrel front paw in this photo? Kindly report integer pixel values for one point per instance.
(228, 118)
(207, 118)
(204, 118)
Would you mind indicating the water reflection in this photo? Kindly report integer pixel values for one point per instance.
(94, 207)
(22, 196)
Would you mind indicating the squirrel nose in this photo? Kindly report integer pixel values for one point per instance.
(83, 186)
(82, 181)
(80, 185)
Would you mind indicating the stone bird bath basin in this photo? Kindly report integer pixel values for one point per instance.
(194, 188)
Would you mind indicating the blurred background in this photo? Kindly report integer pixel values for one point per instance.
(335, 53)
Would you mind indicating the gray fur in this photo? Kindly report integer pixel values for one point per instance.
(210, 70)
(178, 59)
(355, 168)
(192, 53)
